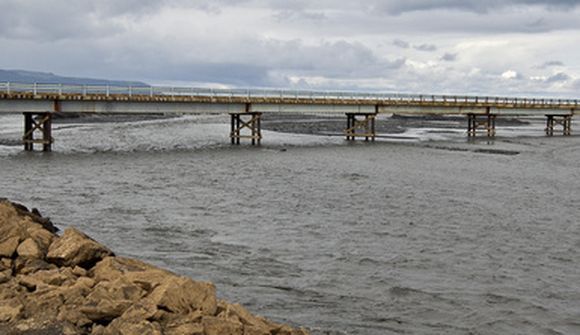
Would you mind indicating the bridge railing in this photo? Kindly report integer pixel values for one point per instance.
(112, 90)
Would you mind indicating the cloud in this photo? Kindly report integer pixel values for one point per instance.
(425, 47)
(558, 77)
(297, 16)
(401, 44)
(548, 64)
(510, 75)
(420, 47)
(413, 45)
(449, 57)
(477, 6)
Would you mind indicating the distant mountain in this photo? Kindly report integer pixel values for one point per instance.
(30, 77)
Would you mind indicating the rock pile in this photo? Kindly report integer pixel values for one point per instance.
(71, 284)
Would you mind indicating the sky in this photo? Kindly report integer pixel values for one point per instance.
(485, 47)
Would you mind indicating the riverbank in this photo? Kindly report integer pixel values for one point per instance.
(71, 284)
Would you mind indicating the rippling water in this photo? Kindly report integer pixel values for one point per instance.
(439, 237)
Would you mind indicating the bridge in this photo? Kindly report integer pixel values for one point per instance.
(39, 102)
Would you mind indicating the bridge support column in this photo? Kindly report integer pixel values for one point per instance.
(252, 124)
(564, 120)
(363, 127)
(37, 123)
(486, 124)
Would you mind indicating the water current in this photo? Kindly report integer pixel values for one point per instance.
(426, 234)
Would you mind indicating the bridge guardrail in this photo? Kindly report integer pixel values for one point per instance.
(108, 90)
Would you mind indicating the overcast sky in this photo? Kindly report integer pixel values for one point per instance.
(515, 47)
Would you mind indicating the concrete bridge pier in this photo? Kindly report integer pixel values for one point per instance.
(251, 121)
(564, 120)
(360, 125)
(477, 122)
(37, 123)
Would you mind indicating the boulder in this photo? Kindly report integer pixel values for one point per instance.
(43, 304)
(98, 330)
(18, 224)
(118, 289)
(254, 330)
(75, 294)
(54, 277)
(73, 315)
(69, 328)
(109, 300)
(182, 295)
(79, 272)
(237, 313)
(41, 236)
(29, 248)
(191, 318)
(11, 290)
(28, 265)
(142, 310)
(30, 283)
(218, 326)
(5, 276)
(126, 327)
(76, 248)
(145, 275)
(188, 328)
(8, 246)
(11, 222)
(6, 263)
(74, 285)
(105, 311)
(11, 209)
(10, 310)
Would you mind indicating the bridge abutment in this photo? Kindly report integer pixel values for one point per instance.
(37, 123)
(481, 123)
(250, 121)
(563, 120)
(360, 125)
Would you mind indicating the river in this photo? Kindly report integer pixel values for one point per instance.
(424, 233)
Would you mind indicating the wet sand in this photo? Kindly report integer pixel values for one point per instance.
(392, 124)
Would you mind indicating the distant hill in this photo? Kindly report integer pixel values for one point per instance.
(30, 77)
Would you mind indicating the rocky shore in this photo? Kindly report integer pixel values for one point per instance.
(71, 284)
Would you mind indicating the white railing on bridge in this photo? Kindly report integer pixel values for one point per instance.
(110, 90)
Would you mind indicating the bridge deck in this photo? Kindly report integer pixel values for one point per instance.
(114, 99)
(39, 102)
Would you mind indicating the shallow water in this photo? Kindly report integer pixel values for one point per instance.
(421, 238)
